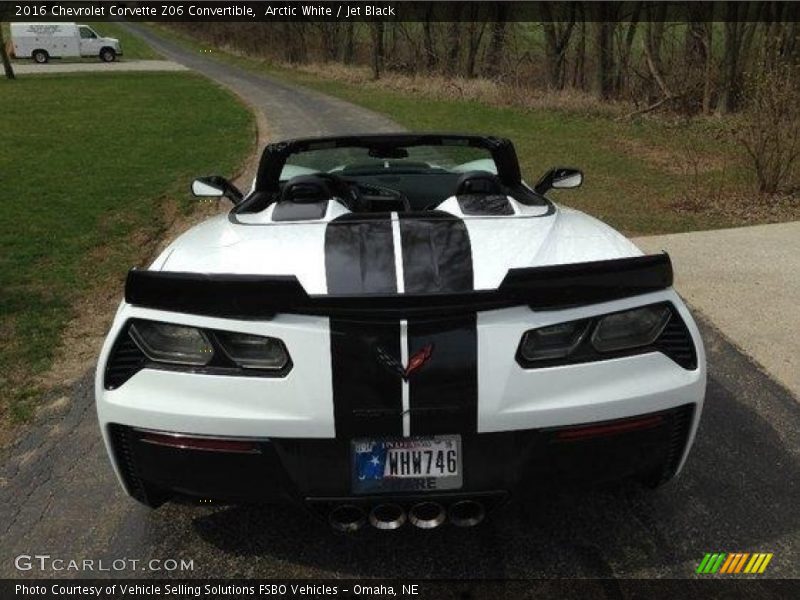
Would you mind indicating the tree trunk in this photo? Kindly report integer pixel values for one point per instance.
(579, 73)
(653, 40)
(497, 41)
(349, 44)
(603, 46)
(427, 40)
(698, 56)
(476, 30)
(709, 67)
(621, 76)
(377, 49)
(557, 36)
(453, 41)
(9, 70)
(738, 37)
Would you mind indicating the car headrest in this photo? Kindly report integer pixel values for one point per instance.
(306, 189)
(478, 182)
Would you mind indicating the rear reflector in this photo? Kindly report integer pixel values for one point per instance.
(204, 443)
(613, 428)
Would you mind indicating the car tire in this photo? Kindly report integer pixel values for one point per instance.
(40, 56)
(108, 55)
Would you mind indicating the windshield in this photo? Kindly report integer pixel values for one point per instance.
(412, 160)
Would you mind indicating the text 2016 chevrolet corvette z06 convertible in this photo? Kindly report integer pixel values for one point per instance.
(393, 328)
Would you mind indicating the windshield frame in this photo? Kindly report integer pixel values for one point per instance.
(275, 156)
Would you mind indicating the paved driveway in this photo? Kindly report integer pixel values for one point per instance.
(30, 68)
(747, 282)
(739, 492)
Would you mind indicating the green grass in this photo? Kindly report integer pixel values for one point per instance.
(133, 48)
(86, 165)
(632, 176)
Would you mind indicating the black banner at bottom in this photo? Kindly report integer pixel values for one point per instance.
(369, 589)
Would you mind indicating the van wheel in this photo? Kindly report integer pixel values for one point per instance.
(40, 56)
(108, 55)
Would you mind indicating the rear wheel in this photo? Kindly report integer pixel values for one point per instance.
(40, 56)
(108, 55)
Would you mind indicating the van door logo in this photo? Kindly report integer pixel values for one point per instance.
(415, 362)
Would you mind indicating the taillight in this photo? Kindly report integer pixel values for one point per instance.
(183, 442)
(583, 432)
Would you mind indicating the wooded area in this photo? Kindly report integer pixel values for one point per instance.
(622, 52)
(617, 50)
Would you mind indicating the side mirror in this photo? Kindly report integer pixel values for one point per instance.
(215, 186)
(559, 178)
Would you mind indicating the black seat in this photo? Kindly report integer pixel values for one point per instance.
(478, 182)
(307, 189)
(304, 198)
(480, 193)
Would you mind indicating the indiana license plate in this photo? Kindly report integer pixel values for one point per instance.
(414, 464)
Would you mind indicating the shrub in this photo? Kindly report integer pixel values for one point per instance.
(768, 127)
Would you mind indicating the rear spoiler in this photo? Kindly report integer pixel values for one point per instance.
(263, 296)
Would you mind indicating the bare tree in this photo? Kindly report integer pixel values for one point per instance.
(377, 48)
(348, 49)
(698, 55)
(579, 72)
(497, 40)
(738, 36)
(604, 50)
(769, 126)
(653, 41)
(9, 70)
(454, 40)
(625, 49)
(557, 35)
(427, 39)
(475, 32)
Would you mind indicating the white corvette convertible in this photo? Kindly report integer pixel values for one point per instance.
(393, 328)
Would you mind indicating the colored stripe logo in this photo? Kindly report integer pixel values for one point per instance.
(734, 563)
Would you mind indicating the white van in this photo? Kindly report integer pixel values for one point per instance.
(43, 41)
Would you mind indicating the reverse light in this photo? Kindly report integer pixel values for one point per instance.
(179, 344)
(553, 341)
(254, 351)
(630, 328)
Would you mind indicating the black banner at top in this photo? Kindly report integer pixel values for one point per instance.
(409, 11)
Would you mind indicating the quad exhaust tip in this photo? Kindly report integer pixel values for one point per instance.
(387, 516)
(466, 513)
(347, 518)
(427, 515)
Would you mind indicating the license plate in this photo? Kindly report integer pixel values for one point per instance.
(407, 464)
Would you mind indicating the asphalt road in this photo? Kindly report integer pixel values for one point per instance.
(740, 490)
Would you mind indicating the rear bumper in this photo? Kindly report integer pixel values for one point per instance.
(317, 471)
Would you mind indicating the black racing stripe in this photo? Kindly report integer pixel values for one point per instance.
(359, 255)
(443, 393)
(367, 392)
(437, 256)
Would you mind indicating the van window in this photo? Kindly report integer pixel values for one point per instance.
(87, 34)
